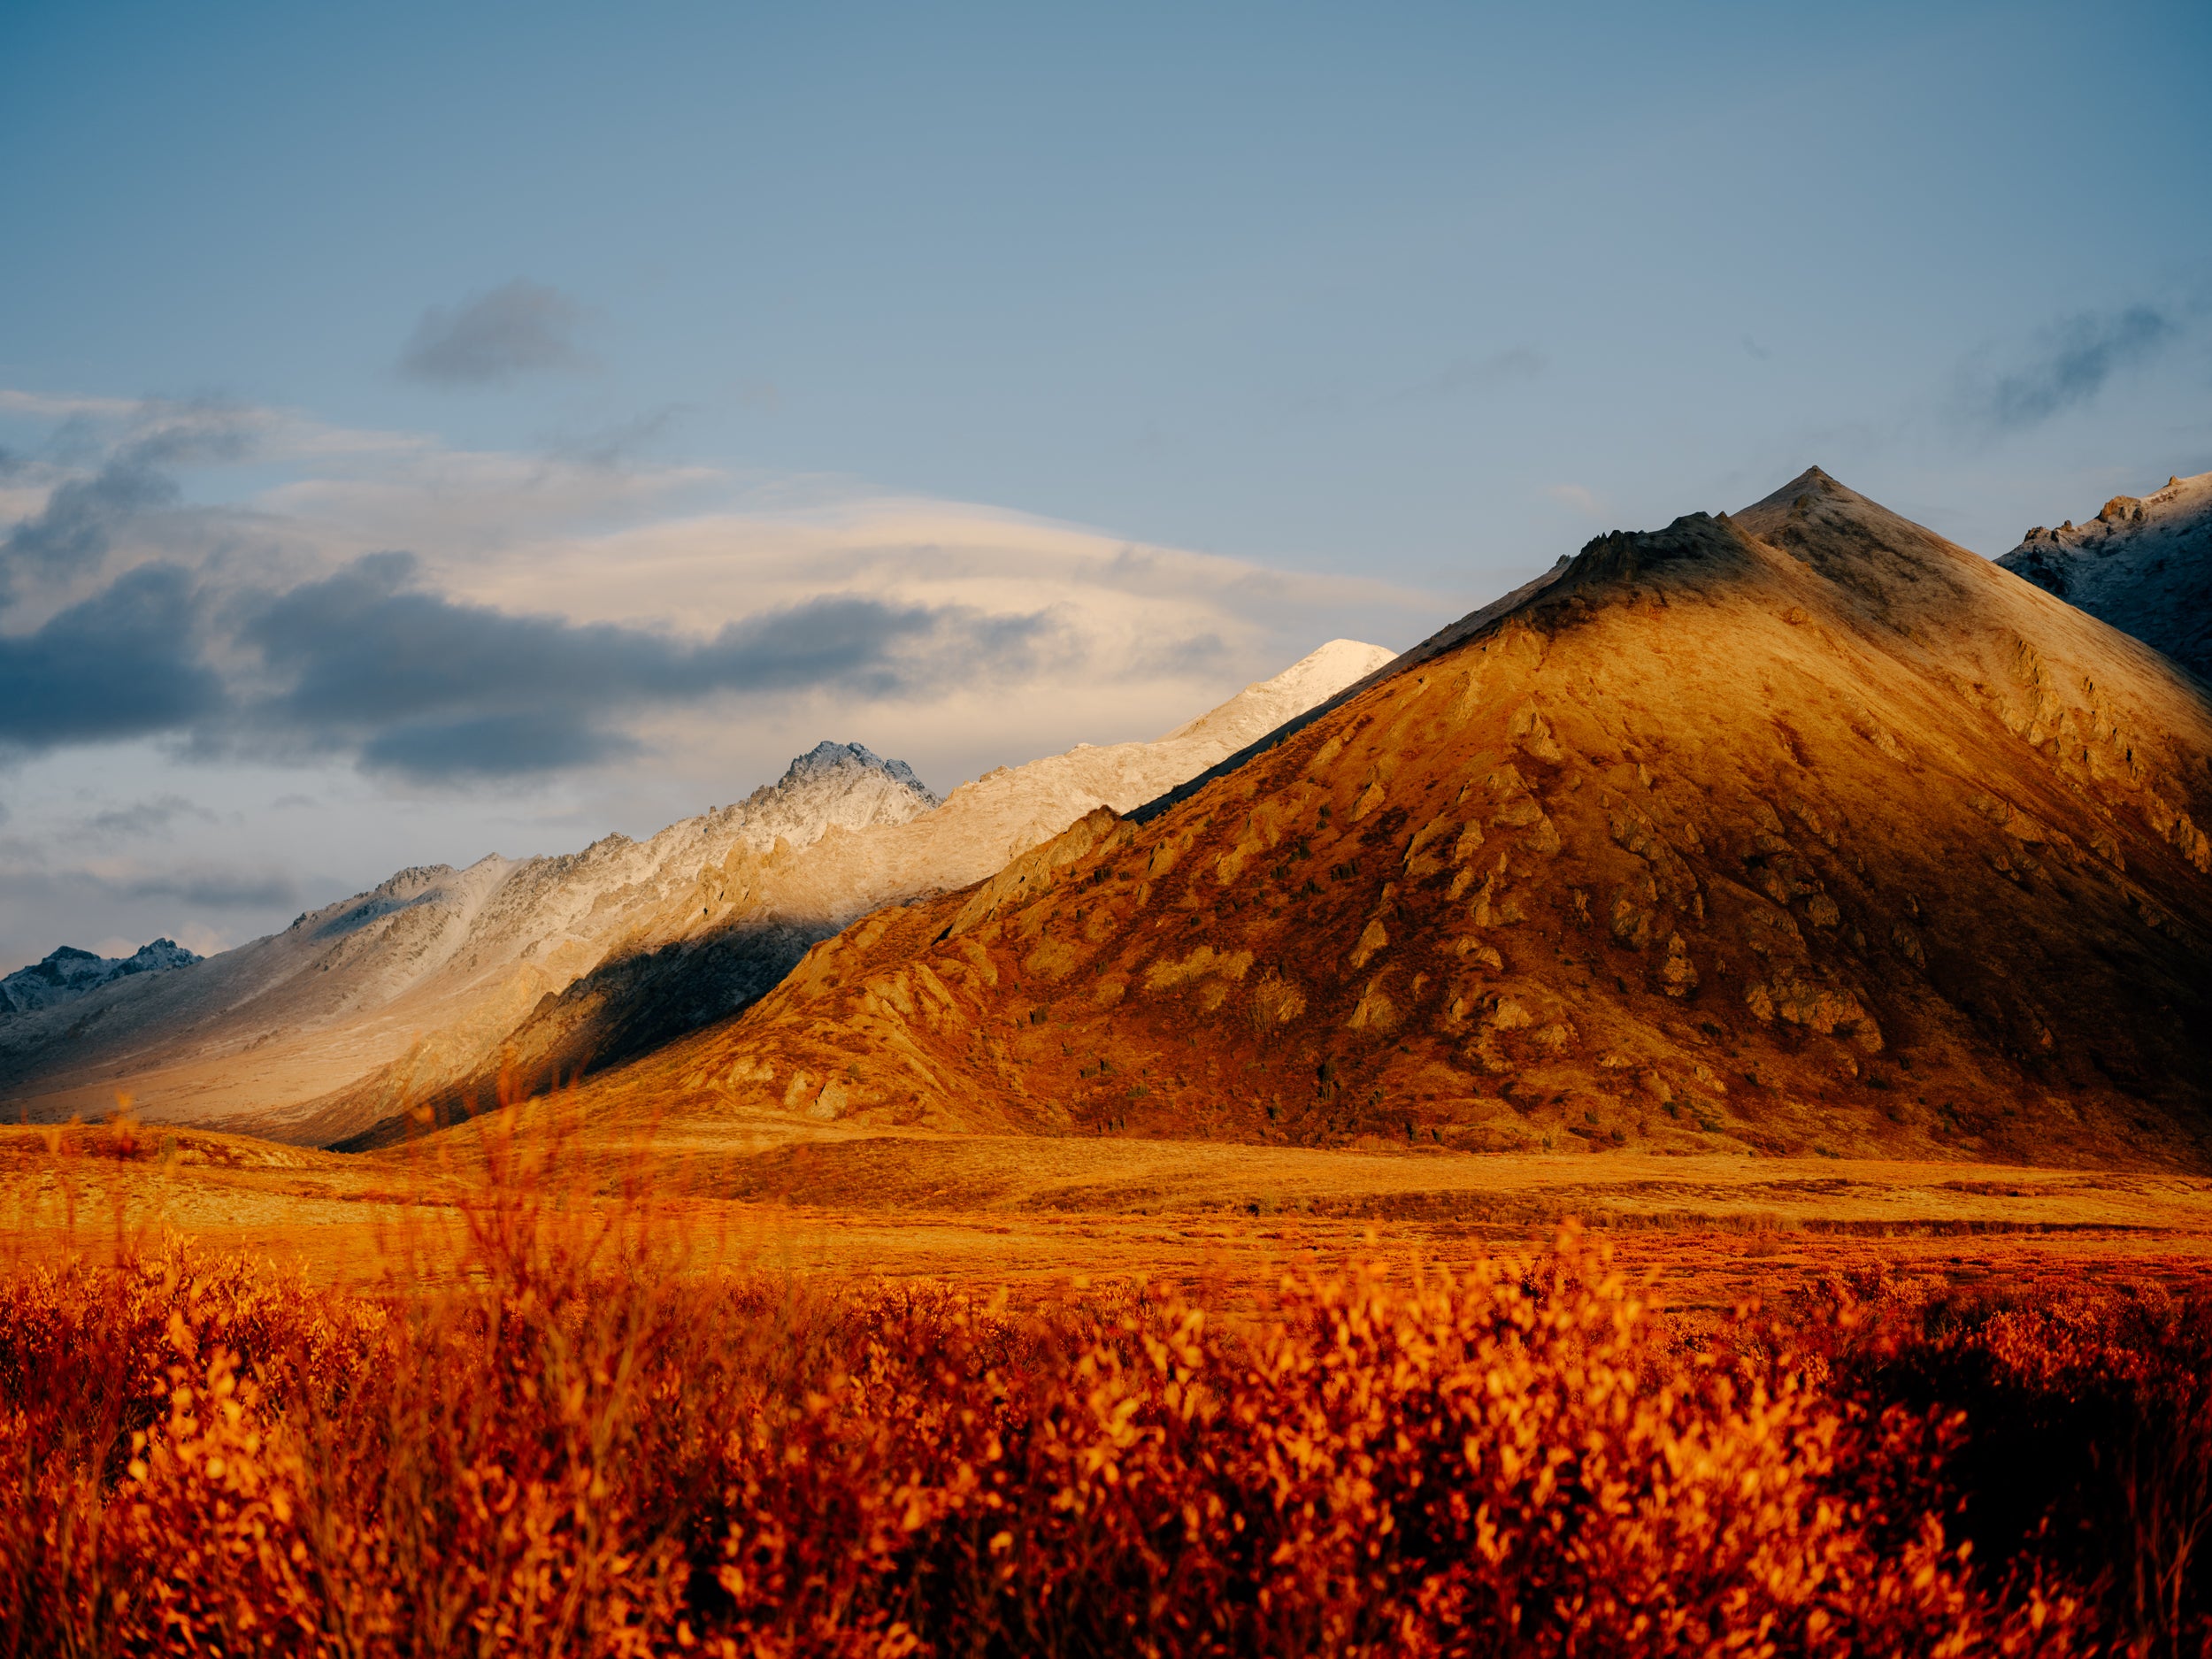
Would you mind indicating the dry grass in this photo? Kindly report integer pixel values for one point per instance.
(1034, 1211)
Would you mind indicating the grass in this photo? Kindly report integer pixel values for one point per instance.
(1040, 1210)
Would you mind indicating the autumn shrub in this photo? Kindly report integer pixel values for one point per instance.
(571, 1445)
(2082, 1431)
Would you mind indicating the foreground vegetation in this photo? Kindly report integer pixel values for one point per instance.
(575, 1447)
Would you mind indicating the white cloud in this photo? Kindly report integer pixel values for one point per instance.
(1119, 638)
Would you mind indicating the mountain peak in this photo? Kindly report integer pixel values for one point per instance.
(2143, 564)
(67, 973)
(847, 785)
(827, 758)
(1636, 857)
(1814, 483)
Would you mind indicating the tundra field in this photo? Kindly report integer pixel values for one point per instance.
(1669, 1118)
(813, 1393)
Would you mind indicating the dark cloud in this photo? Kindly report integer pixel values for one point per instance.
(491, 339)
(407, 681)
(418, 683)
(124, 663)
(368, 665)
(143, 819)
(74, 528)
(211, 889)
(2070, 365)
(494, 745)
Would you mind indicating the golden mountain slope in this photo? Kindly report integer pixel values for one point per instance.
(1801, 831)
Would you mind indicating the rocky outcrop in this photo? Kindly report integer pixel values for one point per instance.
(2143, 564)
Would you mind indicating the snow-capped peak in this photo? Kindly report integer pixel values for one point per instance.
(847, 785)
(68, 972)
(2144, 564)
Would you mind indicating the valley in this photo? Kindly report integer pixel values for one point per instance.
(1041, 1217)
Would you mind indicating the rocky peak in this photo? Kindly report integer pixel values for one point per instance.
(846, 785)
(825, 759)
(67, 973)
(2143, 564)
(158, 956)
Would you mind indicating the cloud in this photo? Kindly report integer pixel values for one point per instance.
(495, 746)
(208, 887)
(433, 687)
(2070, 365)
(74, 529)
(491, 339)
(1463, 375)
(368, 662)
(142, 819)
(571, 612)
(43, 908)
(612, 447)
(124, 663)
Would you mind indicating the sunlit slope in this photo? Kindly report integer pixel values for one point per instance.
(752, 915)
(1801, 831)
(426, 989)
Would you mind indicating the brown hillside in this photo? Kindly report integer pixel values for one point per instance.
(1801, 831)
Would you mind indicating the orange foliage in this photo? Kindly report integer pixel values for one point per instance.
(576, 1450)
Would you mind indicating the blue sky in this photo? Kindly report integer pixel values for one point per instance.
(680, 320)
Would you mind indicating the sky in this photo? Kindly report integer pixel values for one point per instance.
(433, 431)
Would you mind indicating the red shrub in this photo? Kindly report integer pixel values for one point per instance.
(573, 1449)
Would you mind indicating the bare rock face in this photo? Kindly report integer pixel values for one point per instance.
(1797, 831)
(2144, 565)
(69, 973)
(440, 989)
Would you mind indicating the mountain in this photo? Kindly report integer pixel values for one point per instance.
(2145, 565)
(427, 989)
(1801, 831)
(69, 973)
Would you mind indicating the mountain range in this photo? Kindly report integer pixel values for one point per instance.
(1799, 830)
(439, 987)
(68, 973)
